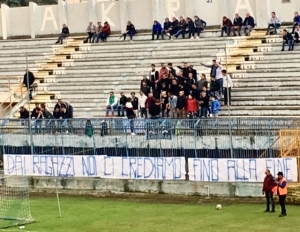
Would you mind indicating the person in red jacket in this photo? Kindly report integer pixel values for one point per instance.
(191, 106)
(105, 32)
(268, 190)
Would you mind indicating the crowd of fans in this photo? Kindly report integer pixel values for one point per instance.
(169, 93)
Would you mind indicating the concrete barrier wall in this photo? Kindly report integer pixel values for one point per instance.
(46, 20)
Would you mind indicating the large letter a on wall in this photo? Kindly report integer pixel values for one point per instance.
(243, 5)
(49, 16)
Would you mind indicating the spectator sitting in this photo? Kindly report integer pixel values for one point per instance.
(167, 27)
(226, 26)
(191, 27)
(130, 30)
(157, 30)
(181, 28)
(287, 39)
(215, 107)
(91, 30)
(199, 26)
(202, 82)
(111, 104)
(105, 32)
(97, 34)
(64, 34)
(121, 106)
(29, 82)
(248, 24)
(297, 34)
(24, 113)
(274, 22)
(237, 24)
(191, 106)
(175, 28)
(296, 21)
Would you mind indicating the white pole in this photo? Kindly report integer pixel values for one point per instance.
(57, 196)
(228, 105)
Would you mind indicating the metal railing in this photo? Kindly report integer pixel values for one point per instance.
(217, 138)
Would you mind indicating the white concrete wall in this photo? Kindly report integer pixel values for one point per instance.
(42, 20)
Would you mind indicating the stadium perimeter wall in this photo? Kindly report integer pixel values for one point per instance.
(95, 186)
(37, 20)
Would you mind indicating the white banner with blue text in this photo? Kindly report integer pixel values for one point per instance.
(152, 168)
(247, 170)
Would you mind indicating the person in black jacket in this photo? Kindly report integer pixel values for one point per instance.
(204, 105)
(155, 109)
(237, 24)
(146, 80)
(214, 87)
(248, 24)
(121, 106)
(135, 103)
(28, 82)
(64, 33)
(153, 76)
(24, 114)
(130, 30)
(185, 69)
(181, 105)
(175, 28)
(191, 27)
(181, 28)
(167, 27)
(287, 39)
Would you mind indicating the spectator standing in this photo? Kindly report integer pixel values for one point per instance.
(195, 92)
(163, 71)
(296, 21)
(219, 78)
(105, 32)
(142, 104)
(155, 109)
(215, 107)
(194, 72)
(214, 88)
(237, 24)
(269, 186)
(28, 82)
(174, 88)
(145, 89)
(204, 105)
(167, 27)
(181, 28)
(24, 113)
(164, 105)
(157, 30)
(153, 76)
(248, 24)
(64, 34)
(287, 39)
(149, 101)
(297, 34)
(213, 68)
(171, 69)
(121, 106)
(191, 106)
(202, 82)
(111, 104)
(227, 85)
(274, 22)
(199, 26)
(185, 69)
(164, 84)
(181, 105)
(91, 30)
(97, 34)
(226, 26)
(172, 105)
(146, 80)
(130, 114)
(135, 103)
(130, 30)
(191, 28)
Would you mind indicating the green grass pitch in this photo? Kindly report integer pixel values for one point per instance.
(89, 214)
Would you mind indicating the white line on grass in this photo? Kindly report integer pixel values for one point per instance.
(17, 230)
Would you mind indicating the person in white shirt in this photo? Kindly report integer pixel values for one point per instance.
(142, 104)
(297, 34)
(219, 78)
(227, 85)
(274, 22)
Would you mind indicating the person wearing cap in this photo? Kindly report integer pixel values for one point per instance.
(269, 188)
(281, 192)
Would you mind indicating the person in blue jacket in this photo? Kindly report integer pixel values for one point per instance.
(215, 107)
(156, 30)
